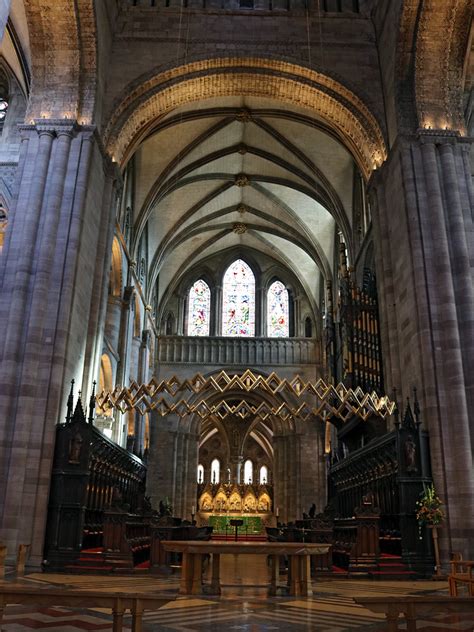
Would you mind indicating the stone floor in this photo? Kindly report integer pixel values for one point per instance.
(242, 607)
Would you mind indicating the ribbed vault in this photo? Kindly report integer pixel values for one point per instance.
(326, 98)
(242, 174)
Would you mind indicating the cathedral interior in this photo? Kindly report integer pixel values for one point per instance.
(236, 282)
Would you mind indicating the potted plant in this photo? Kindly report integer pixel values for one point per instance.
(430, 513)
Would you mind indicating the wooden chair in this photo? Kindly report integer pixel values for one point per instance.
(461, 572)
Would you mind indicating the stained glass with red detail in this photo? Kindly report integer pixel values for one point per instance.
(199, 309)
(277, 311)
(238, 306)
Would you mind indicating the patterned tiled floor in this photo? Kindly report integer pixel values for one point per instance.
(243, 606)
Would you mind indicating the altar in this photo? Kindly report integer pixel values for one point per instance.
(252, 524)
(299, 554)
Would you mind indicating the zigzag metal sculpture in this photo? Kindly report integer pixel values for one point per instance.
(331, 401)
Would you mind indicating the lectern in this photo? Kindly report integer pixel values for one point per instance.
(236, 524)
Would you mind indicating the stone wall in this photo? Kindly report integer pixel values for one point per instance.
(424, 235)
(150, 40)
(4, 11)
(52, 273)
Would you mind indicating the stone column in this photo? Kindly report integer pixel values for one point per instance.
(4, 11)
(162, 458)
(124, 355)
(236, 463)
(298, 325)
(425, 261)
(260, 311)
(135, 358)
(310, 456)
(126, 325)
(112, 324)
(142, 374)
(216, 310)
(190, 485)
(181, 316)
(278, 478)
(95, 333)
(53, 250)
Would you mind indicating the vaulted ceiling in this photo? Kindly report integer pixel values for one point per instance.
(242, 172)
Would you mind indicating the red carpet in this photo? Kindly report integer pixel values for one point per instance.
(241, 538)
(145, 564)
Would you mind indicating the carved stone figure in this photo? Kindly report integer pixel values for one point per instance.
(117, 498)
(206, 505)
(410, 454)
(75, 448)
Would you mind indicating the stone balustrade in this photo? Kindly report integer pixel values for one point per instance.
(244, 351)
(333, 6)
(228, 5)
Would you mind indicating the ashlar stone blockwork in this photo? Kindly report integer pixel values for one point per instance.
(53, 276)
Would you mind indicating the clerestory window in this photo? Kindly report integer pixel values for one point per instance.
(278, 311)
(199, 309)
(238, 304)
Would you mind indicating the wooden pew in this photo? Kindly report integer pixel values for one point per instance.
(3, 557)
(126, 539)
(23, 552)
(415, 608)
(462, 573)
(118, 603)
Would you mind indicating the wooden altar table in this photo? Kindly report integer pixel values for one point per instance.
(299, 568)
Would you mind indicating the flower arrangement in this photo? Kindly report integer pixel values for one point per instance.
(429, 511)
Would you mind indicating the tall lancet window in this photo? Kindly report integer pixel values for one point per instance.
(200, 474)
(238, 305)
(199, 309)
(248, 472)
(4, 98)
(215, 471)
(277, 311)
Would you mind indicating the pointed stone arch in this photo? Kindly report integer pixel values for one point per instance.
(63, 40)
(430, 63)
(346, 113)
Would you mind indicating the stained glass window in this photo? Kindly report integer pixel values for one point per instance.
(263, 475)
(277, 311)
(238, 307)
(199, 307)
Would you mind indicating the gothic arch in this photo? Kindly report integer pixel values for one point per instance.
(116, 283)
(430, 63)
(137, 320)
(346, 113)
(64, 77)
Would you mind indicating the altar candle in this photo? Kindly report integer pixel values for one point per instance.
(193, 509)
(278, 512)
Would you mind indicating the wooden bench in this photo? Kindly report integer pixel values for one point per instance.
(118, 603)
(3, 557)
(462, 573)
(22, 556)
(414, 608)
